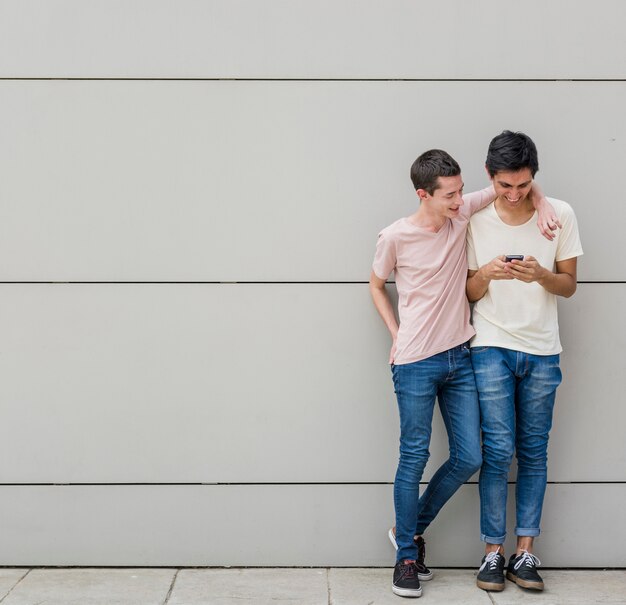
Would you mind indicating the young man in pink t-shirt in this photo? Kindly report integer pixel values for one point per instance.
(429, 356)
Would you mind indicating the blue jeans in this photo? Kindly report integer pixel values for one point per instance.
(516, 392)
(448, 377)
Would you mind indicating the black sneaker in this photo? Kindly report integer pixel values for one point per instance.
(423, 572)
(405, 580)
(522, 570)
(491, 572)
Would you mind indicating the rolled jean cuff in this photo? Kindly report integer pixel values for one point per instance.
(490, 540)
(529, 532)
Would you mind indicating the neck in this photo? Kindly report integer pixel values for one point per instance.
(514, 214)
(427, 219)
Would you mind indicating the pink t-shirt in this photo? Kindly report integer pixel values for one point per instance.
(431, 271)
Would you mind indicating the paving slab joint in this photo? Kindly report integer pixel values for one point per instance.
(15, 585)
(169, 592)
(330, 592)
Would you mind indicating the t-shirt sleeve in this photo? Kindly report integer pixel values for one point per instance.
(479, 199)
(569, 244)
(472, 262)
(385, 258)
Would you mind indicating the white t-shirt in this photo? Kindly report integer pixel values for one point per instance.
(431, 272)
(514, 314)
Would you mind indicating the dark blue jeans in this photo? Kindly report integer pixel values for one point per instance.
(517, 392)
(449, 378)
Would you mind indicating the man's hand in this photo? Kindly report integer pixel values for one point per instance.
(547, 220)
(478, 281)
(495, 269)
(548, 223)
(561, 283)
(527, 270)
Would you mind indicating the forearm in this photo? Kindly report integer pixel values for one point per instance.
(476, 286)
(561, 284)
(480, 199)
(538, 198)
(385, 309)
(547, 219)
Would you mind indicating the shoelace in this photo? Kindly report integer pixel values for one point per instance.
(408, 569)
(527, 559)
(492, 560)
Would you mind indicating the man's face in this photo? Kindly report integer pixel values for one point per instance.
(513, 187)
(447, 199)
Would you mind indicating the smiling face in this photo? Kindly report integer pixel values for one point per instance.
(447, 199)
(513, 187)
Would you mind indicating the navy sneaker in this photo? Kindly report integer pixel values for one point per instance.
(406, 582)
(491, 572)
(522, 570)
(424, 573)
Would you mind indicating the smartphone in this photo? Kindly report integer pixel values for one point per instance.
(510, 257)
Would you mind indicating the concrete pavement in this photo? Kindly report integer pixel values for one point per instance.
(334, 586)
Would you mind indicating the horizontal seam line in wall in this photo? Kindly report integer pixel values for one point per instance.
(244, 567)
(222, 484)
(226, 282)
(122, 79)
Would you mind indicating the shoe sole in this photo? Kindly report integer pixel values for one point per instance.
(492, 586)
(423, 577)
(524, 583)
(407, 592)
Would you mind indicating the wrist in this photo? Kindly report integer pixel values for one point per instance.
(482, 275)
(544, 276)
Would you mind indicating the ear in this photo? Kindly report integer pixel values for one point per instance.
(422, 194)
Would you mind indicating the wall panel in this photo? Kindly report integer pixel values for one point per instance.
(250, 383)
(299, 39)
(272, 181)
(284, 525)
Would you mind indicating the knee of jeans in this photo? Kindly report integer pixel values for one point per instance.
(413, 456)
(533, 458)
(498, 458)
(470, 463)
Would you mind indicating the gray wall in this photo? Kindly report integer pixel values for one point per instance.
(191, 370)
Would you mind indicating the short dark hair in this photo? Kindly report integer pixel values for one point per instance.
(429, 166)
(512, 151)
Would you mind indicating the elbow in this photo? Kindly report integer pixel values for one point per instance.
(376, 289)
(571, 291)
(471, 297)
(573, 286)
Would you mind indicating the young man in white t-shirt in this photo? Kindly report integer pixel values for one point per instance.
(515, 353)
(430, 356)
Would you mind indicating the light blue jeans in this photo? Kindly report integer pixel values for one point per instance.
(447, 377)
(516, 392)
